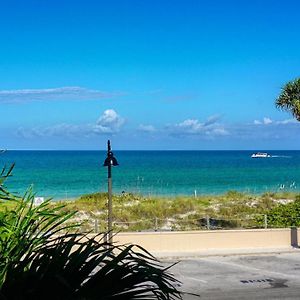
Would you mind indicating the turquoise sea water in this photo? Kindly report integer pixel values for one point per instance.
(68, 174)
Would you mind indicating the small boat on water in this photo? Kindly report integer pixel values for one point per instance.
(260, 155)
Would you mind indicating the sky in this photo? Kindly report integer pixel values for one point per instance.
(149, 75)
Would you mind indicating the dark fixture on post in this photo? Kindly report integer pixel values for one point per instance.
(109, 162)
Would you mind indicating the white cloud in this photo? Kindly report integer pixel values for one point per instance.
(66, 130)
(189, 126)
(267, 121)
(146, 128)
(220, 131)
(52, 94)
(287, 121)
(211, 120)
(268, 131)
(109, 122)
(194, 127)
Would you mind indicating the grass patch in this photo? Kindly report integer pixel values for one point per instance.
(137, 213)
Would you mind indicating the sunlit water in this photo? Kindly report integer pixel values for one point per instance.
(68, 174)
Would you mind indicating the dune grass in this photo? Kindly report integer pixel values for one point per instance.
(138, 213)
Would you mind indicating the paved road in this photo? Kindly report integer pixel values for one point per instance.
(271, 276)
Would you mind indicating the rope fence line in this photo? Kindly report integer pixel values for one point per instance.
(201, 223)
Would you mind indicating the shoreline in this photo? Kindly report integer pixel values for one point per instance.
(284, 194)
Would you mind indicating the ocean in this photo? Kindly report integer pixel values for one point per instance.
(69, 174)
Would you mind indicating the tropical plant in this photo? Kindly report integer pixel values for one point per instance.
(289, 98)
(41, 259)
(285, 215)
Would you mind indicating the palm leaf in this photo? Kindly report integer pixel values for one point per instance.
(289, 98)
(40, 258)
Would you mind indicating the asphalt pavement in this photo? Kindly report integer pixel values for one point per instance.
(251, 276)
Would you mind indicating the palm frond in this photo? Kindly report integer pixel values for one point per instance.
(289, 98)
(40, 258)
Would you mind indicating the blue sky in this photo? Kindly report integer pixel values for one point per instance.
(147, 74)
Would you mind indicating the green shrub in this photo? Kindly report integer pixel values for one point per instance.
(285, 215)
(40, 260)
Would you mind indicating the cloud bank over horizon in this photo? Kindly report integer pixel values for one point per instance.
(111, 124)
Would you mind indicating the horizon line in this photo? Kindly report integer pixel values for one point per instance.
(152, 150)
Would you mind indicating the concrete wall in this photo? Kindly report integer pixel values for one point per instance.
(192, 241)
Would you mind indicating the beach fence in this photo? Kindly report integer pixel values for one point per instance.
(206, 222)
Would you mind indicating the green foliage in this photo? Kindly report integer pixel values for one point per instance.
(233, 195)
(285, 215)
(41, 259)
(289, 98)
(91, 271)
(138, 213)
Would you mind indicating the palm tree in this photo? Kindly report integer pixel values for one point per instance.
(289, 99)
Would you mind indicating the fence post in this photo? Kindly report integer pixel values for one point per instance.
(294, 237)
(96, 226)
(266, 221)
(207, 223)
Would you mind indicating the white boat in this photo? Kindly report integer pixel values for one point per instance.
(260, 155)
